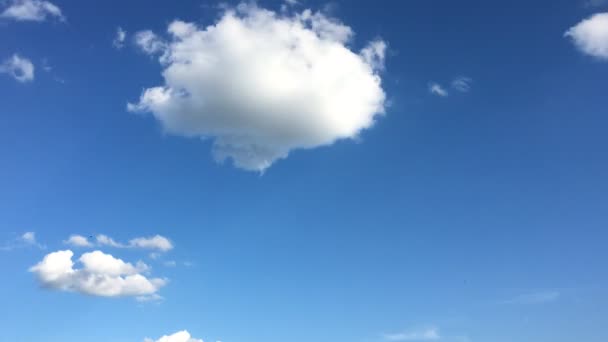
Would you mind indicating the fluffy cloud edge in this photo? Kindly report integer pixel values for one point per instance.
(590, 36)
(100, 275)
(301, 87)
(32, 10)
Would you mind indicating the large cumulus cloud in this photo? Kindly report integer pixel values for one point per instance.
(100, 275)
(261, 83)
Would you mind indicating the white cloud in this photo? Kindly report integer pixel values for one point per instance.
(437, 89)
(29, 237)
(591, 35)
(149, 42)
(462, 84)
(534, 298)
(32, 10)
(78, 241)
(158, 242)
(100, 275)
(119, 39)
(180, 336)
(430, 334)
(261, 84)
(104, 240)
(19, 68)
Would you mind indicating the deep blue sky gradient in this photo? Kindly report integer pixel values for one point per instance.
(440, 215)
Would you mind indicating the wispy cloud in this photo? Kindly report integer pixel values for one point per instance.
(156, 242)
(437, 89)
(119, 38)
(534, 298)
(590, 36)
(462, 84)
(32, 10)
(428, 334)
(27, 239)
(20, 68)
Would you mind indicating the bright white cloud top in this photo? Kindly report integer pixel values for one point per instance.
(32, 10)
(261, 83)
(591, 35)
(100, 275)
(180, 336)
(20, 68)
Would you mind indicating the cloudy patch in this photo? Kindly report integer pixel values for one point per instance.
(437, 89)
(590, 36)
(119, 38)
(100, 274)
(78, 241)
(32, 10)
(19, 68)
(462, 84)
(261, 84)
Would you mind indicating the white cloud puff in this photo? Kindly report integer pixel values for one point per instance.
(261, 83)
(437, 89)
(180, 336)
(591, 35)
(19, 68)
(78, 241)
(158, 242)
(32, 10)
(100, 275)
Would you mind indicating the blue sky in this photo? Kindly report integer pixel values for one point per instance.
(435, 172)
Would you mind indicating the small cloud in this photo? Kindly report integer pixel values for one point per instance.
(156, 242)
(437, 89)
(78, 241)
(27, 239)
(100, 275)
(534, 298)
(21, 69)
(429, 334)
(32, 10)
(150, 298)
(149, 42)
(119, 39)
(170, 263)
(462, 84)
(590, 36)
(108, 241)
(181, 336)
